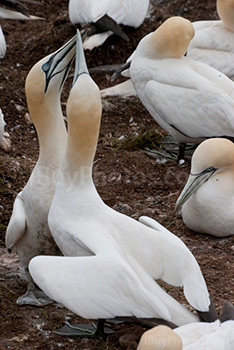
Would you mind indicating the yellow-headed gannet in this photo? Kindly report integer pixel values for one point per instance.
(208, 197)
(194, 336)
(213, 40)
(28, 229)
(112, 260)
(189, 99)
(106, 16)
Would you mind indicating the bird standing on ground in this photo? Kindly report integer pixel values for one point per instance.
(213, 40)
(28, 229)
(112, 260)
(207, 199)
(105, 18)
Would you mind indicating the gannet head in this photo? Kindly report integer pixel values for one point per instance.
(170, 40)
(49, 74)
(225, 9)
(84, 106)
(160, 338)
(212, 156)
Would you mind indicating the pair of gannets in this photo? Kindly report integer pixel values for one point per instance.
(17, 10)
(28, 229)
(213, 40)
(208, 196)
(195, 336)
(106, 16)
(111, 260)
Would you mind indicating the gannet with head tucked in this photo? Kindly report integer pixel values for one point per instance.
(213, 40)
(111, 260)
(195, 336)
(189, 99)
(16, 10)
(208, 197)
(106, 16)
(28, 229)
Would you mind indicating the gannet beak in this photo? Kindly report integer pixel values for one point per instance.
(194, 182)
(120, 70)
(80, 64)
(59, 62)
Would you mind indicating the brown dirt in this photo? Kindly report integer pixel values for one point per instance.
(127, 180)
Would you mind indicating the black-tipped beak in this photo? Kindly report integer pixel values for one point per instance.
(80, 64)
(59, 63)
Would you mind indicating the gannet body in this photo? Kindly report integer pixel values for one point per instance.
(208, 197)
(28, 229)
(112, 260)
(213, 40)
(126, 12)
(194, 336)
(189, 99)
(5, 142)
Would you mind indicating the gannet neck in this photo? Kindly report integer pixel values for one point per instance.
(160, 338)
(217, 153)
(84, 111)
(225, 9)
(170, 40)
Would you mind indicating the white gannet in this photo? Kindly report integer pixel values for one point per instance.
(106, 16)
(208, 197)
(213, 40)
(16, 10)
(111, 260)
(194, 336)
(189, 99)
(28, 229)
(5, 142)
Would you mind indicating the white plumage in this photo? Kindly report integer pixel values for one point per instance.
(213, 40)
(111, 260)
(189, 99)
(208, 197)
(127, 12)
(28, 229)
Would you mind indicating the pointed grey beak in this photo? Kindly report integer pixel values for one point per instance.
(120, 70)
(60, 62)
(80, 64)
(194, 182)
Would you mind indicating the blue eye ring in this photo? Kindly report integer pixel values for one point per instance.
(45, 67)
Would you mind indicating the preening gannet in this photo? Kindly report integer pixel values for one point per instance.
(189, 99)
(17, 10)
(111, 260)
(194, 336)
(106, 16)
(213, 40)
(28, 229)
(208, 197)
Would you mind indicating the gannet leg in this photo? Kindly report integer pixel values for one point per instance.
(85, 330)
(33, 296)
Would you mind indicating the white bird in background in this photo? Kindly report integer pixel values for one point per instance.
(5, 142)
(105, 17)
(189, 99)
(195, 336)
(16, 10)
(213, 40)
(208, 197)
(112, 260)
(28, 229)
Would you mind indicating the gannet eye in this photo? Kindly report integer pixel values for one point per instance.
(45, 67)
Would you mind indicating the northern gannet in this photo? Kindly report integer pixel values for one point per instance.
(208, 197)
(213, 40)
(195, 336)
(5, 142)
(189, 99)
(112, 260)
(15, 10)
(106, 16)
(28, 229)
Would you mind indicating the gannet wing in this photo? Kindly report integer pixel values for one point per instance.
(174, 106)
(99, 286)
(17, 224)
